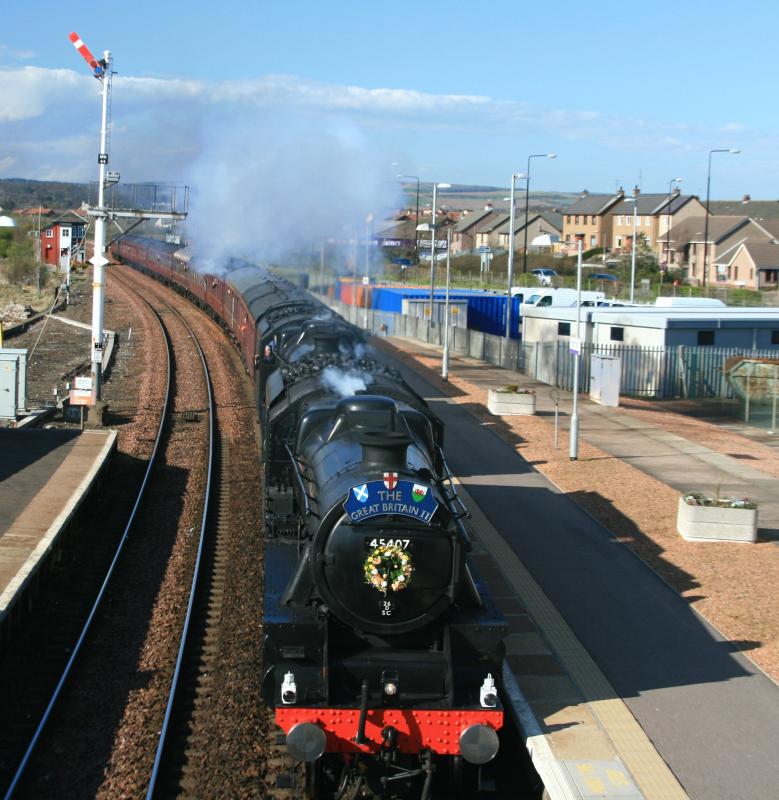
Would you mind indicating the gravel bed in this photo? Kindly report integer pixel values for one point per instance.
(232, 731)
(102, 738)
(125, 671)
(67, 594)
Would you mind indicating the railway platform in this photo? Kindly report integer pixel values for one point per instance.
(45, 474)
(623, 689)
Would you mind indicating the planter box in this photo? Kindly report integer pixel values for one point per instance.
(712, 523)
(510, 403)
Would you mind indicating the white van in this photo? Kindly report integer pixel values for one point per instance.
(688, 302)
(557, 297)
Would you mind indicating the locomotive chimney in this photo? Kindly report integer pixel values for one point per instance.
(385, 449)
(326, 343)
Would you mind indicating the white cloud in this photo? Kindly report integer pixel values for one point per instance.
(159, 123)
(27, 92)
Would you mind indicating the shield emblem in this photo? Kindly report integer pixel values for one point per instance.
(390, 479)
(418, 493)
(361, 492)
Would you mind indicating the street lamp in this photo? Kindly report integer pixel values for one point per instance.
(633, 200)
(433, 227)
(527, 201)
(416, 221)
(514, 177)
(445, 359)
(573, 434)
(706, 227)
(668, 225)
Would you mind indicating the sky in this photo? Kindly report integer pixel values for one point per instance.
(241, 98)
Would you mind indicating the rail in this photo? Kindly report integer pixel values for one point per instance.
(195, 576)
(21, 769)
(301, 483)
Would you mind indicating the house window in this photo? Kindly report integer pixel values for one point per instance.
(774, 337)
(569, 219)
(49, 233)
(564, 329)
(619, 219)
(619, 241)
(628, 220)
(593, 240)
(705, 337)
(568, 237)
(617, 334)
(576, 219)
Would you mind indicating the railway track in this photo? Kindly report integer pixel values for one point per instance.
(138, 585)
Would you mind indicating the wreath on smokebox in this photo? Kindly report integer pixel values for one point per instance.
(388, 567)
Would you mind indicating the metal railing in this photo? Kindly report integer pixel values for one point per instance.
(693, 372)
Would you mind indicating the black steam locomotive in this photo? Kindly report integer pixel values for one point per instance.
(382, 651)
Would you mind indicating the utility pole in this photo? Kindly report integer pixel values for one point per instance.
(102, 72)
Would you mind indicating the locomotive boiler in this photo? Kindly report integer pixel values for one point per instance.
(382, 650)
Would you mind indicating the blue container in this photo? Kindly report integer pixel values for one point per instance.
(487, 313)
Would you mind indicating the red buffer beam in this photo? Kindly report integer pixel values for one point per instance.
(96, 66)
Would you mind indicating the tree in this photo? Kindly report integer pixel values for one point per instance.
(20, 266)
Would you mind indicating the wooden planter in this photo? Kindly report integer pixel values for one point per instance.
(713, 523)
(510, 403)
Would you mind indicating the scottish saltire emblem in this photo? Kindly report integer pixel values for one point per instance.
(390, 479)
(418, 493)
(361, 492)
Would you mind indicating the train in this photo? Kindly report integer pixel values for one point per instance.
(382, 648)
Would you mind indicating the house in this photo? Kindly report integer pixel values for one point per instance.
(486, 234)
(63, 240)
(655, 215)
(539, 223)
(35, 212)
(759, 210)
(589, 216)
(464, 232)
(686, 243)
(752, 263)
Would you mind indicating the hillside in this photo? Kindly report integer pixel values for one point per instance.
(464, 196)
(18, 193)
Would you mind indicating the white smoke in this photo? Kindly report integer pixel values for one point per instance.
(344, 383)
(278, 182)
(358, 350)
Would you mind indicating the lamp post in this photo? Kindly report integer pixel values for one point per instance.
(416, 220)
(706, 226)
(668, 225)
(573, 444)
(527, 202)
(633, 200)
(514, 177)
(445, 359)
(433, 227)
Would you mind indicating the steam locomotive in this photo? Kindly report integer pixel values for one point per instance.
(382, 649)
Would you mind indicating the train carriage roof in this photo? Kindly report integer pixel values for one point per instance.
(262, 291)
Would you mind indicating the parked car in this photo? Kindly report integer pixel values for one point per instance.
(604, 276)
(544, 275)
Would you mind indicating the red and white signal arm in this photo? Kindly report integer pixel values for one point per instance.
(95, 65)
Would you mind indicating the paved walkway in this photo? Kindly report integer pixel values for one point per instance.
(679, 463)
(44, 476)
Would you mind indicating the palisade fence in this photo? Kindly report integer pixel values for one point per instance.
(656, 372)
